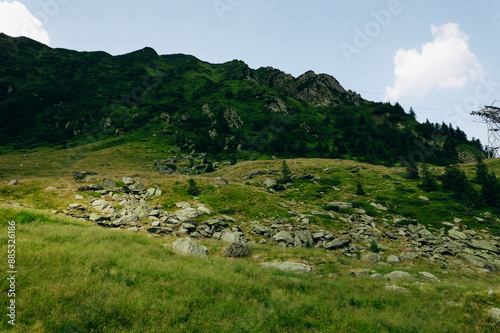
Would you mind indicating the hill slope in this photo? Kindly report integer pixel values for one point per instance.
(62, 97)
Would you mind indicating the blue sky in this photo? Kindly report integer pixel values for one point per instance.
(446, 51)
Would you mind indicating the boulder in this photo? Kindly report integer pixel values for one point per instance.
(127, 181)
(13, 182)
(151, 192)
(483, 245)
(392, 259)
(337, 243)
(183, 205)
(288, 266)
(396, 288)
(494, 314)
(100, 204)
(283, 237)
(341, 205)
(108, 183)
(89, 188)
(372, 258)
(457, 235)
(303, 238)
(187, 214)
(231, 237)
(53, 188)
(188, 246)
(428, 276)
(237, 250)
(399, 276)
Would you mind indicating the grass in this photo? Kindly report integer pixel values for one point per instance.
(74, 276)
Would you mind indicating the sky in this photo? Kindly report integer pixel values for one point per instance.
(439, 57)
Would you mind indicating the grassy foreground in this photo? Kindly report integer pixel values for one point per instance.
(76, 277)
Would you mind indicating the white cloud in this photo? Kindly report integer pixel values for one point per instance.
(443, 64)
(16, 20)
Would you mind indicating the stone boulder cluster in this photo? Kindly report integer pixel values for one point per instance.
(127, 207)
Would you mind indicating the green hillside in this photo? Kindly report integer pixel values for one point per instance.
(68, 98)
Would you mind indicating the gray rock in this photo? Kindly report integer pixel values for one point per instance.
(428, 276)
(337, 243)
(100, 204)
(259, 229)
(85, 188)
(124, 220)
(303, 238)
(376, 276)
(189, 246)
(183, 205)
(483, 245)
(151, 192)
(159, 230)
(127, 181)
(288, 266)
(221, 181)
(269, 183)
(231, 237)
(341, 205)
(76, 206)
(53, 188)
(108, 183)
(138, 187)
(457, 235)
(408, 256)
(494, 314)
(188, 226)
(392, 259)
(360, 274)
(414, 227)
(396, 288)
(372, 258)
(303, 176)
(188, 213)
(13, 182)
(283, 236)
(399, 276)
(98, 217)
(237, 250)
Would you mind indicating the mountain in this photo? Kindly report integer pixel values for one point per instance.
(62, 97)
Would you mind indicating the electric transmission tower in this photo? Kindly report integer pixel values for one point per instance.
(490, 115)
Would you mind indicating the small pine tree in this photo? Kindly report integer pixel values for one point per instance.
(412, 170)
(286, 174)
(192, 187)
(490, 191)
(429, 182)
(481, 172)
(359, 189)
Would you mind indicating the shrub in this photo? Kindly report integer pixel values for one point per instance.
(359, 189)
(192, 187)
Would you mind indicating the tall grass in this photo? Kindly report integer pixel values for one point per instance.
(75, 277)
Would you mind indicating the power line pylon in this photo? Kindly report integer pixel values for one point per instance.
(490, 115)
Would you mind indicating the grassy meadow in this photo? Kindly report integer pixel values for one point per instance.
(74, 276)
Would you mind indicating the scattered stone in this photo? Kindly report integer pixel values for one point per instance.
(399, 276)
(372, 258)
(237, 250)
(79, 197)
(428, 276)
(424, 198)
(457, 235)
(337, 244)
(13, 182)
(76, 206)
(231, 237)
(90, 188)
(494, 314)
(183, 205)
(288, 266)
(98, 217)
(127, 181)
(379, 206)
(221, 181)
(376, 276)
(108, 183)
(189, 246)
(392, 259)
(283, 237)
(360, 274)
(51, 188)
(341, 205)
(396, 288)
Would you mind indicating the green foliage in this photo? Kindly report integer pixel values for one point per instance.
(192, 187)
(412, 170)
(359, 189)
(374, 246)
(429, 182)
(455, 180)
(286, 174)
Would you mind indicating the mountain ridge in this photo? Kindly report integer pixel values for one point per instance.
(57, 97)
